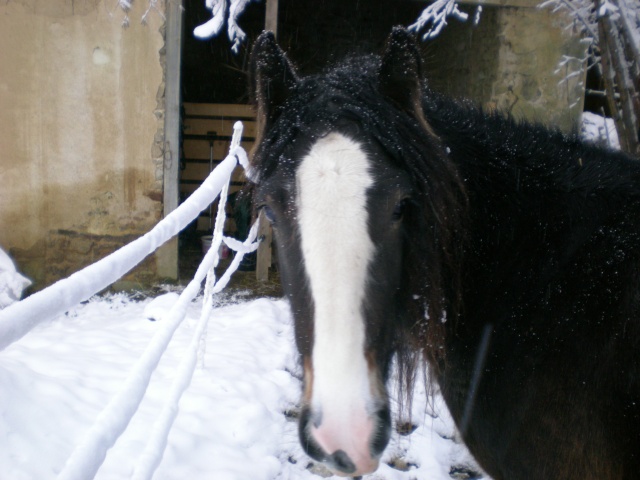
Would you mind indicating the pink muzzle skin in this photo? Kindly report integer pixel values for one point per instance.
(347, 445)
(350, 446)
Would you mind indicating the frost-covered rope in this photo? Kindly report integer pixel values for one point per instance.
(250, 245)
(19, 318)
(157, 442)
(90, 453)
(221, 217)
(113, 420)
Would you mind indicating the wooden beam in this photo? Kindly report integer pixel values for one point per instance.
(271, 17)
(173, 41)
(263, 262)
(167, 255)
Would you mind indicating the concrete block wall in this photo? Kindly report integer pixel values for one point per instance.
(80, 133)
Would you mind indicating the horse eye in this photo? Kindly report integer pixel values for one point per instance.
(399, 209)
(268, 213)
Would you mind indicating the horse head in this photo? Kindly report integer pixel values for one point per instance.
(343, 177)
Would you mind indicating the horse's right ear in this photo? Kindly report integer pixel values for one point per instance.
(272, 78)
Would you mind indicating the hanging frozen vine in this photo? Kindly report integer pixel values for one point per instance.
(434, 17)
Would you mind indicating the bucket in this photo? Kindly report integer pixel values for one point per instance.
(206, 240)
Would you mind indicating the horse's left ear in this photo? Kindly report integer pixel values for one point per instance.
(272, 77)
(400, 72)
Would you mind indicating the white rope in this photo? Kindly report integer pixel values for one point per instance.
(158, 438)
(221, 216)
(157, 442)
(90, 453)
(19, 318)
(250, 245)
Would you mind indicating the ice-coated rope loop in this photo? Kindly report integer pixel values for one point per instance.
(157, 442)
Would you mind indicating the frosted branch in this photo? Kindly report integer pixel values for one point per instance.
(436, 15)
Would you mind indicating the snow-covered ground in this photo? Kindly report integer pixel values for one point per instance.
(235, 421)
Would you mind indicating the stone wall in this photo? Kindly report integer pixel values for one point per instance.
(508, 61)
(81, 133)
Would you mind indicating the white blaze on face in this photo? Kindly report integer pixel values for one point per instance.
(332, 183)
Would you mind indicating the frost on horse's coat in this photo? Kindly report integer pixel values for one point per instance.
(526, 241)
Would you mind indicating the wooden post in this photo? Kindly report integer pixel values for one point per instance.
(167, 255)
(271, 17)
(263, 262)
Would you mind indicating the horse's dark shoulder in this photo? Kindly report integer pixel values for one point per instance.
(535, 187)
(498, 144)
(552, 278)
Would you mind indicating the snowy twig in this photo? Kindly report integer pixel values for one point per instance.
(436, 14)
(153, 5)
(580, 12)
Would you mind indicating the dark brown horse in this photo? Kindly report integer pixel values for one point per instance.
(504, 254)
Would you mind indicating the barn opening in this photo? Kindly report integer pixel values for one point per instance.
(505, 61)
(213, 88)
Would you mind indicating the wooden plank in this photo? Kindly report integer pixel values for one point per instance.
(211, 136)
(200, 126)
(201, 150)
(199, 171)
(188, 189)
(167, 255)
(219, 109)
(271, 17)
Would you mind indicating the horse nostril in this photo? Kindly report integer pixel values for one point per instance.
(339, 460)
(309, 445)
(382, 432)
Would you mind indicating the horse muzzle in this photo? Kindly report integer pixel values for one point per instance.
(349, 446)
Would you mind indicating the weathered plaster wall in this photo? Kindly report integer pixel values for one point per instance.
(80, 124)
(508, 62)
